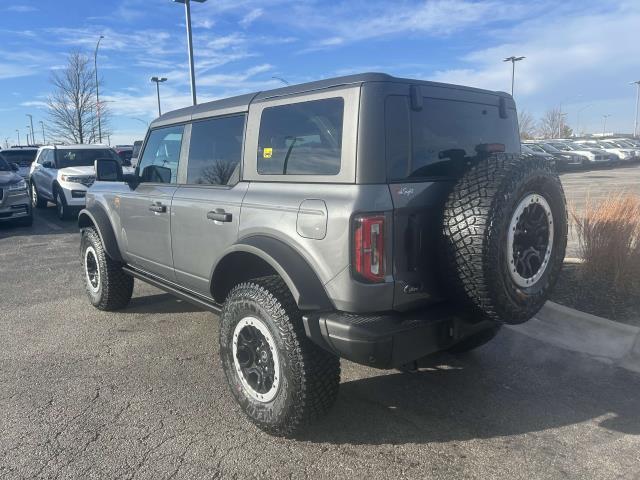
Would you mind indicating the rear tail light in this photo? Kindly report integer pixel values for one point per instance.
(368, 247)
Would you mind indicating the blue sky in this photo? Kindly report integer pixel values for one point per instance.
(580, 53)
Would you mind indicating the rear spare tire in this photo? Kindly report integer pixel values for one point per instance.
(505, 232)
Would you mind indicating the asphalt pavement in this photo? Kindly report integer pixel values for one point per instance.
(141, 394)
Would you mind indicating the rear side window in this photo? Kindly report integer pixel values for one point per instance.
(301, 138)
(215, 151)
(159, 163)
(443, 136)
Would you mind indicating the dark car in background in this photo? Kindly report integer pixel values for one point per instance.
(21, 156)
(15, 203)
(125, 152)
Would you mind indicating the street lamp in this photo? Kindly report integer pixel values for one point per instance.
(604, 125)
(513, 61)
(561, 124)
(281, 79)
(44, 139)
(29, 142)
(158, 81)
(18, 132)
(95, 68)
(31, 122)
(187, 12)
(578, 116)
(635, 123)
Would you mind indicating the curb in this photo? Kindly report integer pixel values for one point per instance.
(612, 342)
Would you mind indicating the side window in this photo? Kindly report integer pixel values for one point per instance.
(159, 163)
(41, 157)
(301, 138)
(215, 151)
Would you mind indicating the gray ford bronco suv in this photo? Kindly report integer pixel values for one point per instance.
(367, 217)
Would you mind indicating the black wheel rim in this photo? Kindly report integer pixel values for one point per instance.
(255, 358)
(530, 240)
(92, 269)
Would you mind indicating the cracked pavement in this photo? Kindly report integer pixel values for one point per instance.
(140, 394)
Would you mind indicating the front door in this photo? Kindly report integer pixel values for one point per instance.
(146, 209)
(206, 209)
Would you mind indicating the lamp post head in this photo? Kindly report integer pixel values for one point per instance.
(513, 59)
(183, 1)
(158, 79)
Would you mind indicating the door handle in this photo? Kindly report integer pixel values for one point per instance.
(219, 215)
(158, 208)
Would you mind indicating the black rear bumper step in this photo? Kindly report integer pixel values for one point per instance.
(390, 340)
(190, 297)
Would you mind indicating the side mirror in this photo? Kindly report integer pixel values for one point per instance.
(108, 170)
(14, 167)
(47, 164)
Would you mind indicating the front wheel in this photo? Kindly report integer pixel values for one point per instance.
(61, 206)
(107, 286)
(280, 379)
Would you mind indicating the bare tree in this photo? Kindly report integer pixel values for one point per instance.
(527, 125)
(552, 125)
(219, 173)
(73, 109)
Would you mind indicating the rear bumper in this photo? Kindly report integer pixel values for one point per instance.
(389, 340)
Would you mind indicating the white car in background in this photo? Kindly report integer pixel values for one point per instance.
(595, 156)
(623, 154)
(62, 174)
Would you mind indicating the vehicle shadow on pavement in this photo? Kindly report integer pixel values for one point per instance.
(159, 303)
(481, 395)
(45, 222)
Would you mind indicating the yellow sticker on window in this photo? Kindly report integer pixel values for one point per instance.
(267, 152)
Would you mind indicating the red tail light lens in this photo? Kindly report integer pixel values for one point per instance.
(368, 247)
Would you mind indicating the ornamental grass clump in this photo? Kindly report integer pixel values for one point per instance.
(609, 238)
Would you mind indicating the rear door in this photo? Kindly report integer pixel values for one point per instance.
(206, 209)
(146, 210)
(428, 145)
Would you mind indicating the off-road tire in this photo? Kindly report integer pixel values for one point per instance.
(476, 340)
(477, 218)
(115, 286)
(36, 200)
(309, 376)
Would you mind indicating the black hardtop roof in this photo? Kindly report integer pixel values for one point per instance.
(242, 102)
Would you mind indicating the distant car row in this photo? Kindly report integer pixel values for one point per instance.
(585, 153)
(60, 174)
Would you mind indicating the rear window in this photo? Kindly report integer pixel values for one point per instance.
(24, 158)
(301, 138)
(439, 139)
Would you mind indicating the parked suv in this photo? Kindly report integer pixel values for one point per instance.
(367, 217)
(14, 197)
(21, 156)
(62, 173)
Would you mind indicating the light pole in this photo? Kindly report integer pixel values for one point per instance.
(604, 124)
(44, 139)
(561, 124)
(281, 79)
(31, 122)
(187, 12)
(513, 61)
(29, 142)
(158, 81)
(578, 116)
(635, 123)
(18, 132)
(95, 68)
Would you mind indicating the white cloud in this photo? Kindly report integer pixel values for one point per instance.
(251, 17)
(21, 8)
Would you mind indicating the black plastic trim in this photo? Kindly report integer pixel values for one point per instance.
(390, 340)
(173, 289)
(99, 218)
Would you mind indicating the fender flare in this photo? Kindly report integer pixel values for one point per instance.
(305, 286)
(97, 217)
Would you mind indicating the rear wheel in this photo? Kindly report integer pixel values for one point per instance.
(505, 228)
(281, 380)
(106, 284)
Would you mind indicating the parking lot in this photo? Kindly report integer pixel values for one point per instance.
(140, 393)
